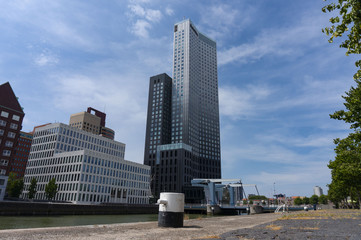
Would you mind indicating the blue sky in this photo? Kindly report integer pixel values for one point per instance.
(279, 78)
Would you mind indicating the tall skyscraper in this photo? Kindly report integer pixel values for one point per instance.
(191, 149)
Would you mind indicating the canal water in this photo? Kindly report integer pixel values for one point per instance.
(76, 220)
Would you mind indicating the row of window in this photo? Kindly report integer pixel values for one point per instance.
(12, 125)
(10, 134)
(6, 115)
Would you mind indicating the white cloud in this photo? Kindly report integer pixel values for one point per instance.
(141, 27)
(45, 59)
(257, 100)
(137, 10)
(144, 18)
(153, 15)
(241, 103)
(169, 11)
(276, 42)
(223, 19)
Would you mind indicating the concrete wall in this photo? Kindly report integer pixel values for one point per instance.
(32, 209)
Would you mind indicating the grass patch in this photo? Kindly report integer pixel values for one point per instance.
(210, 237)
(306, 228)
(274, 227)
(324, 214)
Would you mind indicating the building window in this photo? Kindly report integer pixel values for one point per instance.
(6, 153)
(4, 162)
(13, 126)
(2, 123)
(16, 117)
(11, 134)
(8, 143)
(4, 114)
(1, 132)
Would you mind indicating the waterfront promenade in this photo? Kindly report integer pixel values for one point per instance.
(193, 229)
(324, 224)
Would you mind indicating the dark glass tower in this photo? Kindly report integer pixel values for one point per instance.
(185, 143)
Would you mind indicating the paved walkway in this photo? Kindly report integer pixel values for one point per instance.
(193, 229)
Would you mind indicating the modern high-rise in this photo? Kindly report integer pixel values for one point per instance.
(183, 137)
(317, 191)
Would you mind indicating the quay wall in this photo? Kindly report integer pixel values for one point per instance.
(47, 209)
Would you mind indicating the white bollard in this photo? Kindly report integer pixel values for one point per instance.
(171, 209)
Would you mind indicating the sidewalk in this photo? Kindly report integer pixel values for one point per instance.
(193, 229)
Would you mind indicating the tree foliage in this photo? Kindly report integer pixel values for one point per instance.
(257, 197)
(298, 201)
(306, 200)
(314, 199)
(346, 168)
(323, 199)
(348, 21)
(14, 186)
(51, 189)
(32, 188)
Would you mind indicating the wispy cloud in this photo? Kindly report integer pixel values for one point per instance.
(223, 19)
(169, 11)
(143, 19)
(256, 100)
(46, 58)
(141, 27)
(287, 41)
(241, 103)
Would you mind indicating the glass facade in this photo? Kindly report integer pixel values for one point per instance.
(193, 113)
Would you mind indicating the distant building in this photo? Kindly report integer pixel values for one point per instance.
(11, 118)
(182, 136)
(317, 191)
(88, 168)
(22, 150)
(94, 123)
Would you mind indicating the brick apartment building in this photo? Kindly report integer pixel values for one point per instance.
(11, 118)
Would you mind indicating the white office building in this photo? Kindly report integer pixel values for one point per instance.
(88, 168)
(317, 191)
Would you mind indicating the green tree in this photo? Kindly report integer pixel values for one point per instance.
(51, 189)
(258, 197)
(14, 186)
(347, 21)
(346, 169)
(298, 201)
(323, 199)
(32, 188)
(306, 200)
(314, 199)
